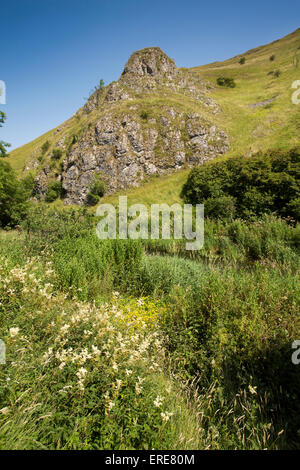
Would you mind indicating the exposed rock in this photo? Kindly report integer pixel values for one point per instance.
(125, 144)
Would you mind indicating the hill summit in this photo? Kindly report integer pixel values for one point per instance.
(155, 119)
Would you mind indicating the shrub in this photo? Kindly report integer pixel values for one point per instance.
(144, 115)
(242, 60)
(263, 183)
(45, 226)
(45, 147)
(13, 197)
(90, 266)
(220, 207)
(56, 154)
(272, 57)
(226, 82)
(97, 190)
(277, 73)
(54, 191)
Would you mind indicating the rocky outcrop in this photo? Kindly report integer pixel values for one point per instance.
(130, 137)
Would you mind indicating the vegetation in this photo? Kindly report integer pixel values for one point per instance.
(248, 187)
(3, 145)
(226, 82)
(87, 302)
(13, 197)
(45, 147)
(97, 190)
(56, 154)
(130, 344)
(54, 191)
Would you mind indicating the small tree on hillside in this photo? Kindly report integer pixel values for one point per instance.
(3, 145)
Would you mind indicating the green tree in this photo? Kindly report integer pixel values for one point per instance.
(13, 197)
(3, 145)
(248, 187)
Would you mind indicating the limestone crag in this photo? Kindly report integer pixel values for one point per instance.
(155, 119)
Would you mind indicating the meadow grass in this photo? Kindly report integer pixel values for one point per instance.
(184, 355)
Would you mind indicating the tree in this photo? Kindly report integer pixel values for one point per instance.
(248, 187)
(13, 197)
(3, 145)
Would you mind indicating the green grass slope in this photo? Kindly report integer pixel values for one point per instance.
(250, 124)
(276, 124)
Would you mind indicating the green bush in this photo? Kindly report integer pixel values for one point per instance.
(45, 147)
(88, 266)
(54, 191)
(96, 190)
(220, 207)
(13, 197)
(226, 82)
(263, 183)
(45, 226)
(56, 154)
(272, 57)
(242, 60)
(144, 115)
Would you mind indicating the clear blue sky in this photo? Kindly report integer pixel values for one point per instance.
(53, 52)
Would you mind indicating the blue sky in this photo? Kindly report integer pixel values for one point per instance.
(53, 52)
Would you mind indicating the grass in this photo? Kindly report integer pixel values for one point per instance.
(275, 125)
(148, 346)
(174, 354)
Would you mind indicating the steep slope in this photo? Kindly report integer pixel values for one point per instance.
(155, 119)
(259, 113)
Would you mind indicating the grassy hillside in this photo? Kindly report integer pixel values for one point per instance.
(274, 124)
(250, 128)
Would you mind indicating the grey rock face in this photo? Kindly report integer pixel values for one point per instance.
(126, 151)
(124, 145)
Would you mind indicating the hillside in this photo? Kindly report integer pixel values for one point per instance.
(159, 119)
(258, 113)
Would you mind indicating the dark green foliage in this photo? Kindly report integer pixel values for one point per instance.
(29, 184)
(90, 266)
(46, 226)
(272, 57)
(263, 183)
(242, 60)
(97, 190)
(54, 191)
(277, 73)
(222, 207)
(144, 115)
(56, 154)
(226, 82)
(13, 197)
(45, 147)
(92, 199)
(3, 145)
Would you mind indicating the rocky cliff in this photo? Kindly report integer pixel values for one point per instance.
(156, 118)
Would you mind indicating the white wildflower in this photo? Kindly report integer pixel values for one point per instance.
(64, 328)
(14, 332)
(166, 416)
(158, 401)
(81, 373)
